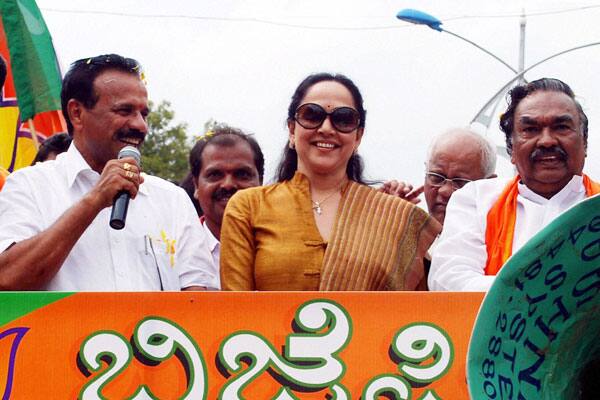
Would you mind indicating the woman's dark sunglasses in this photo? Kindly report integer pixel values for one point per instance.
(311, 116)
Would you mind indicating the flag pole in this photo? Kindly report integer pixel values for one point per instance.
(36, 143)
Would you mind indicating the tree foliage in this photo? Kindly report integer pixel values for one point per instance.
(166, 149)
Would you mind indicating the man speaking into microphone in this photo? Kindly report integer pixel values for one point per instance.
(56, 227)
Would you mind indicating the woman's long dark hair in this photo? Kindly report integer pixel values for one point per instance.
(289, 160)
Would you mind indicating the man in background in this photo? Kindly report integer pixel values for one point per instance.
(455, 158)
(52, 147)
(222, 162)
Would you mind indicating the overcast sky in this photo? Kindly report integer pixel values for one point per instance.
(239, 62)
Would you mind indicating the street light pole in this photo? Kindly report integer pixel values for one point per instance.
(485, 116)
(421, 18)
(520, 75)
(501, 150)
(522, 24)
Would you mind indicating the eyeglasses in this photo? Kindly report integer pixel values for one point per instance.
(438, 180)
(311, 116)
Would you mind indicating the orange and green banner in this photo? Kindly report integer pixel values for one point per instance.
(36, 72)
(30, 97)
(216, 345)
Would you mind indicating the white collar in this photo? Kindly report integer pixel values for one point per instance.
(213, 242)
(574, 185)
(76, 164)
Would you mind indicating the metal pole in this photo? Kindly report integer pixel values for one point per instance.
(520, 74)
(482, 49)
(523, 23)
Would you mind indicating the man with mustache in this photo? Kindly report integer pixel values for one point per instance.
(55, 215)
(222, 162)
(546, 136)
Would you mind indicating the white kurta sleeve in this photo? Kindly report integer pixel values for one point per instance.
(459, 258)
(19, 214)
(195, 262)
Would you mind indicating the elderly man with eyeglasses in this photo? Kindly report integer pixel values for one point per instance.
(546, 136)
(455, 158)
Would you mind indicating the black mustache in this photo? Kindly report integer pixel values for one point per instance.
(545, 152)
(130, 133)
(221, 193)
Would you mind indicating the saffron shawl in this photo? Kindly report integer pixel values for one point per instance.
(501, 219)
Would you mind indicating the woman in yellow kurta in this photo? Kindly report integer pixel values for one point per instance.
(321, 227)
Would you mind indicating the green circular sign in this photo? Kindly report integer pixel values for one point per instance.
(538, 326)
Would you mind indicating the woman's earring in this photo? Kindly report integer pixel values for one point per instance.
(291, 145)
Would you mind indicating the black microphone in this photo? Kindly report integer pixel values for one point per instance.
(121, 200)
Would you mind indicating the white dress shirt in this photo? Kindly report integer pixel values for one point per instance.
(161, 247)
(459, 258)
(215, 250)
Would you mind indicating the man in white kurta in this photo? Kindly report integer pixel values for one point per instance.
(546, 135)
(460, 255)
(161, 247)
(55, 216)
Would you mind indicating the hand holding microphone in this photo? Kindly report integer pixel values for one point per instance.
(118, 213)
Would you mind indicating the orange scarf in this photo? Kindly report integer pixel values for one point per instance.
(501, 219)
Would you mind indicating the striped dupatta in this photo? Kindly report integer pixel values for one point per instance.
(378, 242)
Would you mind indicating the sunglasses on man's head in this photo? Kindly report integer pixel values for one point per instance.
(93, 62)
(311, 116)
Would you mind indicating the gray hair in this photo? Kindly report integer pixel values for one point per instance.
(488, 153)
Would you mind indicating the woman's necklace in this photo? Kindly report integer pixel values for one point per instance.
(316, 205)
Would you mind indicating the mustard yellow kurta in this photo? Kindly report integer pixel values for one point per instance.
(270, 241)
